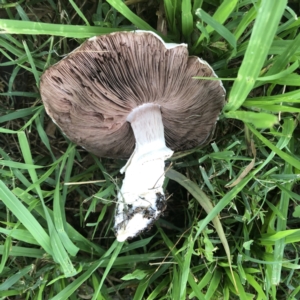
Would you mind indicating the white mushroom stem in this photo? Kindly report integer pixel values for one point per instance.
(141, 199)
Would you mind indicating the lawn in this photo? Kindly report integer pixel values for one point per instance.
(231, 229)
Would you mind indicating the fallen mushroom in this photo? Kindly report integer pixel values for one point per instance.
(129, 94)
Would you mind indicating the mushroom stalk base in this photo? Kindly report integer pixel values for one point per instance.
(141, 199)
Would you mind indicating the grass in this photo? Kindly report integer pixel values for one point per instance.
(57, 200)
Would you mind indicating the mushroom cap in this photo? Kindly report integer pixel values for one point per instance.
(90, 92)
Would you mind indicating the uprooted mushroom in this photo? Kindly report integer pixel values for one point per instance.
(130, 95)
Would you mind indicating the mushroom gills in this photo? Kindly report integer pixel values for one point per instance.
(141, 199)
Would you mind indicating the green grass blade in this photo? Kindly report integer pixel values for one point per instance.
(43, 136)
(204, 202)
(21, 113)
(85, 244)
(175, 285)
(275, 109)
(6, 285)
(256, 286)
(73, 31)
(284, 58)
(59, 212)
(71, 288)
(79, 12)
(159, 288)
(242, 294)
(17, 173)
(17, 165)
(203, 282)
(220, 16)
(118, 247)
(128, 14)
(260, 120)
(281, 225)
(25, 217)
(213, 285)
(288, 158)
(268, 17)
(186, 19)
(289, 80)
(179, 261)
(23, 252)
(20, 234)
(271, 238)
(5, 252)
(222, 30)
(8, 46)
(184, 274)
(279, 75)
(170, 15)
(59, 253)
(292, 97)
(246, 21)
(32, 64)
(59, 223)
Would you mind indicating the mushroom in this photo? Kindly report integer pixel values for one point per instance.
(131, 95)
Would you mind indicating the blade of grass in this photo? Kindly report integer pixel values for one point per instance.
(213, 285)
(20, 234)
(284, 58)
(178, 259)
(23, 252)
(270, 239)
(159, 288)
(204, 201)
(259, 120)
(71, 288)
(281, 74)
(242, 294)
(21, 113)
(58, 206)
(37, 28)
(15, 278)
(286, 157)
(170, 15)
(264, 29)
(128, 14)
(186, 18)
(221, 15)
(25, 217)
(251, 280)
(203, 282)
(246, 20)
(292, 97)
(17, 165)
(272, 108)
(42, 134)
(59, 222)
(118, 247)
(58, 251)
(141, 288)
(32, 64)
(79, 12)
(222, 30)
(175, 284)
(185, 271)
(5, 252)
(85, 244)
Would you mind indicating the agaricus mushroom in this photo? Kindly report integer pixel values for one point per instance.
(129, 94)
